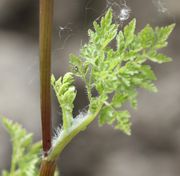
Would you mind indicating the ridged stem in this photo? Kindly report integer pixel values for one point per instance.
(46, 18)
(47, 168)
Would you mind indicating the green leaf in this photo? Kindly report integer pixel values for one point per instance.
(148, 72)
(162, 34)
(104, 32)
(119, 99)
(123, 122)
(159, 58)
(76, 65)
(119, 118)
(129, 32)
(116, 73)
(132, 97)
(66, 94)
(106, 116)
(96, 102)
(149, 86)
(147, 37)
(120, 42)
(25, 155)
(107, 19)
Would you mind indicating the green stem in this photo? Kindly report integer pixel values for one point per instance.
(88, 88)
(67, 118)
(66, 136)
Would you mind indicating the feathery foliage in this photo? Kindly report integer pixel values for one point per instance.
(25, 155)
(120, 71)
(114, 73)
(66, 94)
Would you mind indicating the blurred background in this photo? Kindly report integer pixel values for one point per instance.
(154, 147)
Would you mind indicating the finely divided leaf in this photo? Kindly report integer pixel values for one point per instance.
(157, 57)
(25, 155)
(119, 71)
(129, 32)
(162, 34)
(147, 37)
(66, 94)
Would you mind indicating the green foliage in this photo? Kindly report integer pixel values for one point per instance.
(25, 155)
(114, 73)
(117, 73)
(66, 94)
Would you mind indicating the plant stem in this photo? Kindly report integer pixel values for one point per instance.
(47, 168)
(88, 87)
(67, 136)
(46, 18)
